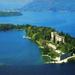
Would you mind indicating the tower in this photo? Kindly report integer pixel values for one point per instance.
(52, 36)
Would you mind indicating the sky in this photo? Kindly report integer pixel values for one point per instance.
(4, 4)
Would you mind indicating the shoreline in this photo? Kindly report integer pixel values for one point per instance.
(46, 57)
(26, 37)
(43, 37)
(54, 62)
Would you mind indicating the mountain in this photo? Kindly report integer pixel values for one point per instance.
(47, 5)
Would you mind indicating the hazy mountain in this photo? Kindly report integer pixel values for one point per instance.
(46, 5)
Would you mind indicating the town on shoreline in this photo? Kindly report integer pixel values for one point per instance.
(55, 47)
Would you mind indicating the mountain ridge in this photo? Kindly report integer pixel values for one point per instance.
(47, 5)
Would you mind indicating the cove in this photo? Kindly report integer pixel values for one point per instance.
(14, 50)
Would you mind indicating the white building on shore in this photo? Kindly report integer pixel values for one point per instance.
(57, 38)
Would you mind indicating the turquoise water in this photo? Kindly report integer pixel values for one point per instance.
(61, 21)
(14, 50)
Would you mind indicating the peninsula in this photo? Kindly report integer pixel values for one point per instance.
(55, 47)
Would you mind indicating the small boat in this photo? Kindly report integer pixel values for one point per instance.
(26, 37)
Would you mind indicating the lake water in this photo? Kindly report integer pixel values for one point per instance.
(61, 21)
(14, 50)
(20, 56)
(52, 69)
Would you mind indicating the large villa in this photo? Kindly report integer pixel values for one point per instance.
(56, 39)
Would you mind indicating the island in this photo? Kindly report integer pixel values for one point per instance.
(10, 13)
(55, 47)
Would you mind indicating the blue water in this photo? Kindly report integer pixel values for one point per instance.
(14, 50)
(52, 69)
(21, 56)
(61, 21)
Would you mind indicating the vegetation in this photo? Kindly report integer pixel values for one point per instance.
(6, 27)
(10, 13)
(69, 44)
(71, 60)
(42, 36)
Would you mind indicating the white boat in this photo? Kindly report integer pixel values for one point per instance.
(25, 37)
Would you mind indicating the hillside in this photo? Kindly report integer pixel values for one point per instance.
(54, 5)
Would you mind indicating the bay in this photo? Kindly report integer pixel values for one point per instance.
(15, 50)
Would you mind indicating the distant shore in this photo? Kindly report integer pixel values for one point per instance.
(6, 14)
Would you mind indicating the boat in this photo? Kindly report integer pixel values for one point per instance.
(25, 37)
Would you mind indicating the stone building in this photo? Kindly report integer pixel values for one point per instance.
(55, 37)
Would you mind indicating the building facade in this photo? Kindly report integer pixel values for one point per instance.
(57, 38)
